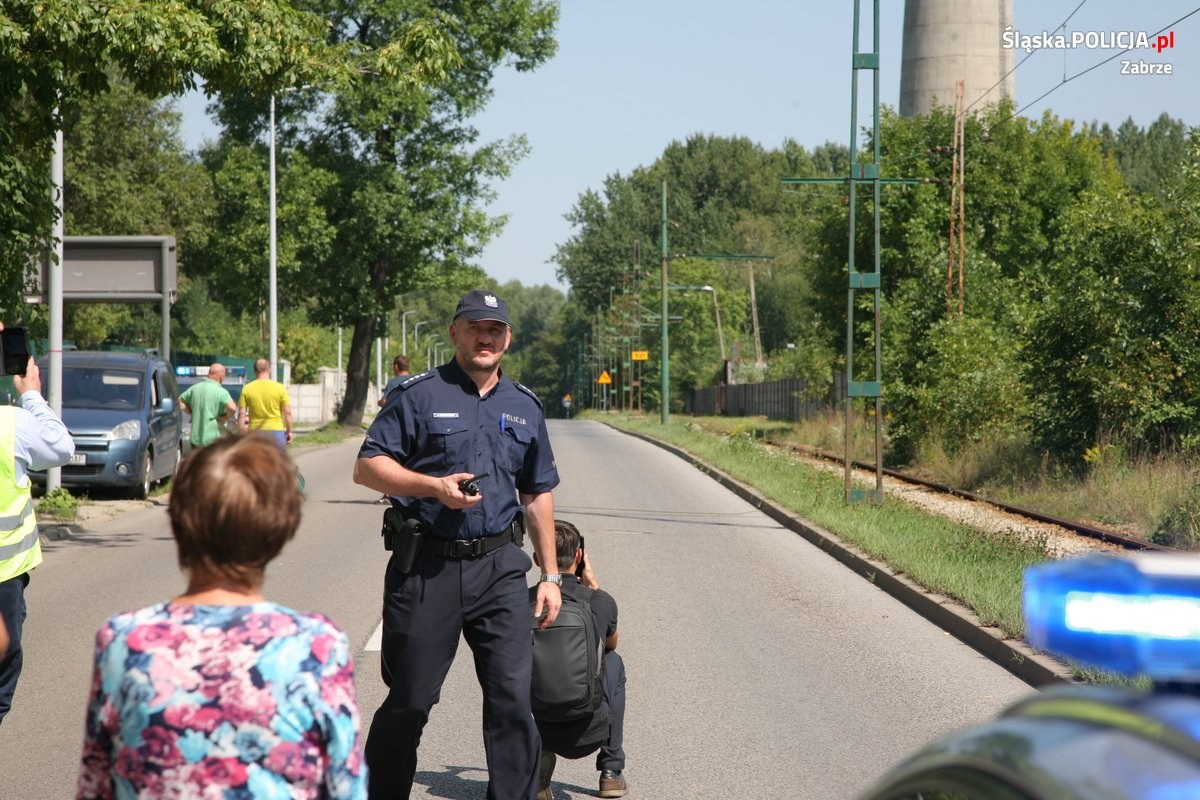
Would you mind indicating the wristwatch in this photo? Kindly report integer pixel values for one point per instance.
(555, 579)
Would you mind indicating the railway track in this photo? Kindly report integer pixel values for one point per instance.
(1112, 539)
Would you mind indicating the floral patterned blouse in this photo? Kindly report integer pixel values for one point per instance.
(231, 702)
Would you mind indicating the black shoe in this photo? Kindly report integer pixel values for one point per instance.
(612, 784)
(544, 774)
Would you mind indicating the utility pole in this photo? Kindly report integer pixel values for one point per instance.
(758, 351)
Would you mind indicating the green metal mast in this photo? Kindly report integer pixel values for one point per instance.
(862, 172)
(868, 171)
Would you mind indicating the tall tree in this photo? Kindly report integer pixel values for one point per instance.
(53, 54)
(410, 174)
(1148, 158)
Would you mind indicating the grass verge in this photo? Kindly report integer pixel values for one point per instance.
(330, 433)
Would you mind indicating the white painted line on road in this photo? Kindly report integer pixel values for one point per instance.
(375, 643)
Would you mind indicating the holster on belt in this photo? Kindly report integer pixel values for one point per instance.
(403, 538)
(518, 530)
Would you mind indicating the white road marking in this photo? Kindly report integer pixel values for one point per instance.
(375, 643)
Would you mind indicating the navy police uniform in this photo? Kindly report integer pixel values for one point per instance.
(436, 423)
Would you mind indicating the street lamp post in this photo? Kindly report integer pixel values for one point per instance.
(416, 330)
(665, 369)
(273, 285)
(378, 359)
(716, 309)
(404, 331)
(273, 323)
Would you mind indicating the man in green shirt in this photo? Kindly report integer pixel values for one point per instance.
(208, 401)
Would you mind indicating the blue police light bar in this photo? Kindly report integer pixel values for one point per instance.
(1133, 615)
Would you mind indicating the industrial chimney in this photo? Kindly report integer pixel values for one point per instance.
(947, 41)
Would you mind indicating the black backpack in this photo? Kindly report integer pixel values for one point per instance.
(566, 663)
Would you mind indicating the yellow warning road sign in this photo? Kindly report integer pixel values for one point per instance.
(640, 355)
(604, 378)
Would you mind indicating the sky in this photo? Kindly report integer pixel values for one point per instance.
(631, 76)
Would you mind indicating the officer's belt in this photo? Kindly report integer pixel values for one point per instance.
(470, 548)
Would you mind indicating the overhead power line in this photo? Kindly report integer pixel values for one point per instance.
(1097, 65)
(1028, 55)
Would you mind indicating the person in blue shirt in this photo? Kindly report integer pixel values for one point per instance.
(438, 431)
(31, 437)
(399, 374)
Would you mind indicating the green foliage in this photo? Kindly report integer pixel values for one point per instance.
(236, 260)
(301, 345)
(55, 55)
(1149, 158)
(396, 176)
(534, 357)
(203, 325)
(127, 173)
(59, 504)
(969, 389)
(724, 197)
(809, 359)
(1111, 351)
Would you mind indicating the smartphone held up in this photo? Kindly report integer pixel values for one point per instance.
(14, 351)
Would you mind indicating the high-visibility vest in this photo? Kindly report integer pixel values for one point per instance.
(20, 550)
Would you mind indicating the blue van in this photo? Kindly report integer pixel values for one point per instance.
(122, 410)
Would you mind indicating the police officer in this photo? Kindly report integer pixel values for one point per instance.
(457, 565)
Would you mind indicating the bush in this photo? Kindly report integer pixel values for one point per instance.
(970, 390)
(59, 504)
(1180, 527)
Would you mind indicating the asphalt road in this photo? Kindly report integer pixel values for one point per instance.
(758, 667)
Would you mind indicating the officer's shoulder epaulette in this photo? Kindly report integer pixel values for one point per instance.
(529, 392)
(412, 379)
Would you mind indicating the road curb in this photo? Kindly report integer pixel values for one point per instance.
(1036, 669)
(57, 531)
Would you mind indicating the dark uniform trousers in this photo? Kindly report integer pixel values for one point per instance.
(486, 600)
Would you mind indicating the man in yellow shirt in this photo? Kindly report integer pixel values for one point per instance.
(265, 405)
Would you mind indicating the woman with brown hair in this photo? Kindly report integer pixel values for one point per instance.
(220, 692)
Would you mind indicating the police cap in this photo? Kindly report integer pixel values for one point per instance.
(480, 305)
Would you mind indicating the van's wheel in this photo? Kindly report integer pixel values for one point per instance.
(178, 460)
(142, 490)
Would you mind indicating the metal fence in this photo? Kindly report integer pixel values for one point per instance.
(781, 399)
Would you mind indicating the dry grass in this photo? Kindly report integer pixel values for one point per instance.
(1129, 492)
(1133, 496)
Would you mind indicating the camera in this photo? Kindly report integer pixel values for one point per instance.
(470, 486)
(14, 351)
